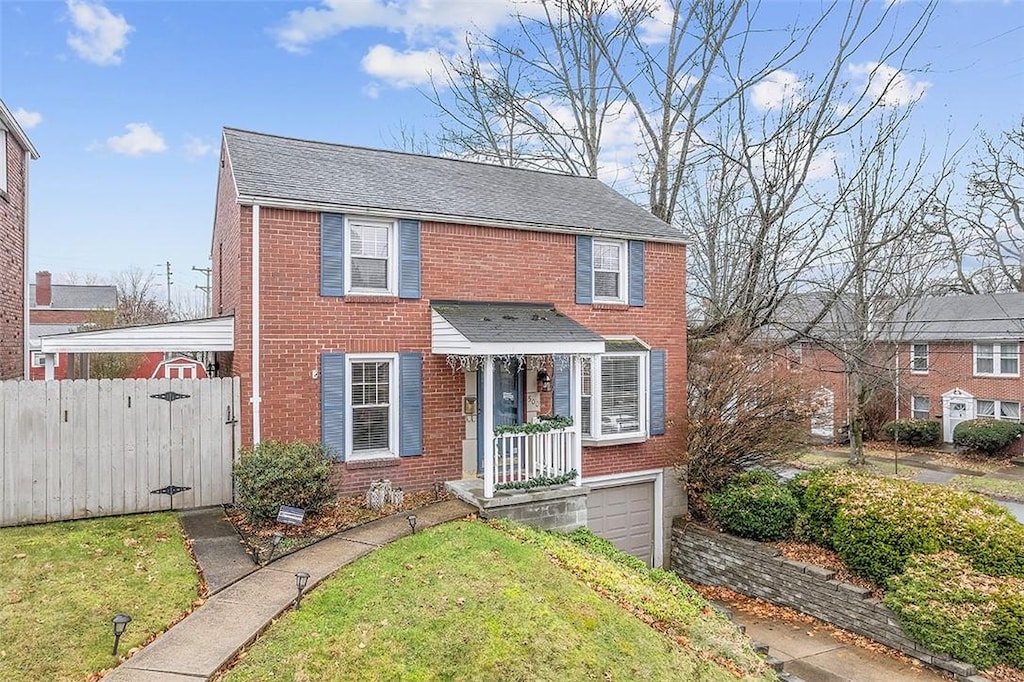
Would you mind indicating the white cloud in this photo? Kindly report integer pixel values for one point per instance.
(778, 89)
(658, 26)
(140, 139)
(402, 69)
(888, 85)
(99, 35)
(418, 20)
(371, 90)
(195, 148)
(27, 119)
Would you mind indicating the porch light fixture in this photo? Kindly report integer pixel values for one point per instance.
(411, 518)
(300, 584)
(544, 380)
(275, 540)
(120, 622)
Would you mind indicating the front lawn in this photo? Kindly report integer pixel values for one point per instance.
(63, 582)
(465, 601)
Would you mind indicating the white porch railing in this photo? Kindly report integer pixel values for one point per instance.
(520, 457)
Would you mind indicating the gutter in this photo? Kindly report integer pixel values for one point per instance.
(256, 397)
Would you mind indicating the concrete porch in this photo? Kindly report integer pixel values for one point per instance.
(563, 508)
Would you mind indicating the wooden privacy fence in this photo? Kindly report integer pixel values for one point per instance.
(101, 447)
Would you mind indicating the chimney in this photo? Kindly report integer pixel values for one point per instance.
(44, 293)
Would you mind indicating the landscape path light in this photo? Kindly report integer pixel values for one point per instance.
(411, 518)
(120, 622)
(301, 579)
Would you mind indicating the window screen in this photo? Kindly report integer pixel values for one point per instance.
(607, 266)
(371, 402)
(369, 244)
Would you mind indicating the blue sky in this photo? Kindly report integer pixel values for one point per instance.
(125, 100)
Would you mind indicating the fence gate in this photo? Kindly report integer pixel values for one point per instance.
(100, 447)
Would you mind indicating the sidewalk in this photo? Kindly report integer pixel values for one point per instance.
(210, 636)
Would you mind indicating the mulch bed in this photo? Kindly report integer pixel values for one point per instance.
(342, 514)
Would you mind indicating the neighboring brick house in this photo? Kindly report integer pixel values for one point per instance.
(61, 308)
(398, 307)
(16, 151)
(958, 358)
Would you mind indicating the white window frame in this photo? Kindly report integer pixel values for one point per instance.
(644, 368)
(997, 409)
(914, 357)
(183, 368)
(38, 358)
(997, 355)
(392, 269)
(392, 450)
(915, 410)
(623, 272)
(3, 160)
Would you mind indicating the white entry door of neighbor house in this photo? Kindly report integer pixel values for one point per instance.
(957, 407)
(823, 417)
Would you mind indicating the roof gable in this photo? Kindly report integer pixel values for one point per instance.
(320, 174)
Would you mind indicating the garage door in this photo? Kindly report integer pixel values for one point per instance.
(624, 514)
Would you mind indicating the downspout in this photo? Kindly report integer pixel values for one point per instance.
(256, 397)
(26, 353)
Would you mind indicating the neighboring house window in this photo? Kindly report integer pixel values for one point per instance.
(919, 358)
(373, 415)
(616, 395)
(610, 271)
(997, 359)
(372, 264)
(38, 359)
(920, 407)
(181, 371)
(997, 409)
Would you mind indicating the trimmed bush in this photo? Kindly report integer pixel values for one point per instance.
(755, 505)
(875, 524)
(947, 606)
(988, 436)
(296, 474)
(914, 432)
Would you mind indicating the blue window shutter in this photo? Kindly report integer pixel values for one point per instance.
(561, 383)
(332, 403)
(332, 254)
(636, 273)
(584, 269)
(657, 391)
(409, 259)
(410, 404)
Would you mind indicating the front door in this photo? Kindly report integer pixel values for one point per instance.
(507, 403)
(957, 407)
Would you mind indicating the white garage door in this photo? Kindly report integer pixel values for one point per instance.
(624, 514)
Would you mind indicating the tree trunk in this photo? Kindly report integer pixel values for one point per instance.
(857, 421)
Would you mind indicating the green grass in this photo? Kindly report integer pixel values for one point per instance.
(465, 601)
(61, 583)
(1013, 490)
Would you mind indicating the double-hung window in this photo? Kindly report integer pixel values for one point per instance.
(373, 413)
(920, 407)
(919, 358)
(997, 359)
(614, 396)
(372, 263)
(1005, 410)
(610, 267)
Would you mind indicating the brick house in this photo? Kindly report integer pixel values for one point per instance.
(956, 358)
(58, 309)
(16, 151)
(400, 307)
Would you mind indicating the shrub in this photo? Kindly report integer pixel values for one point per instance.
(274, 473)
(915, 432)
(988, 436)
(819, 496)
(875, 524)
(1009, 624)
(755, 505)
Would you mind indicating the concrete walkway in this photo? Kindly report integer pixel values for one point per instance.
(210, 636)
(811, 653)
(217, 547)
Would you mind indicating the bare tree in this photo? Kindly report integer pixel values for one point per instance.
(137, 301)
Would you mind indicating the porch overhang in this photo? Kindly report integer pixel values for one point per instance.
(471, 328)
(210, 334)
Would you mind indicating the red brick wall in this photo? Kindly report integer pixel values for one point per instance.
(53, 316)
(12, 265)
(458, 262)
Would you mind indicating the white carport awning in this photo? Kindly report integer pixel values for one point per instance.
(210, 334)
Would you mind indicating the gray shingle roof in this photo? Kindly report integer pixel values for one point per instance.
(512, 322)
(37, 330)
(324, 174)
(78, 296)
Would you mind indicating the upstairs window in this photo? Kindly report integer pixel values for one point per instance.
(919, 358)
(997, 359)
(609, 271)
(371, 246)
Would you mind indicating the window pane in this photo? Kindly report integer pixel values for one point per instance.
(986, 408)
(369, 273)
(606, 284)
(920, 407)
(985, 366)
(1008, 365)
(1009, 411)
(370, 241)
(585, 392)
(370, 383)
(606, 257)
(585, 415)
(370, 428)
(620, 395)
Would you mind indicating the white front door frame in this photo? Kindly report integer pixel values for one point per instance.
(957, 407)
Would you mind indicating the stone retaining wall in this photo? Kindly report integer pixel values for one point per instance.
(756, 570)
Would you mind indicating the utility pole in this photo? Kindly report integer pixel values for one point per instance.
(167, 272)
(205, 289)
